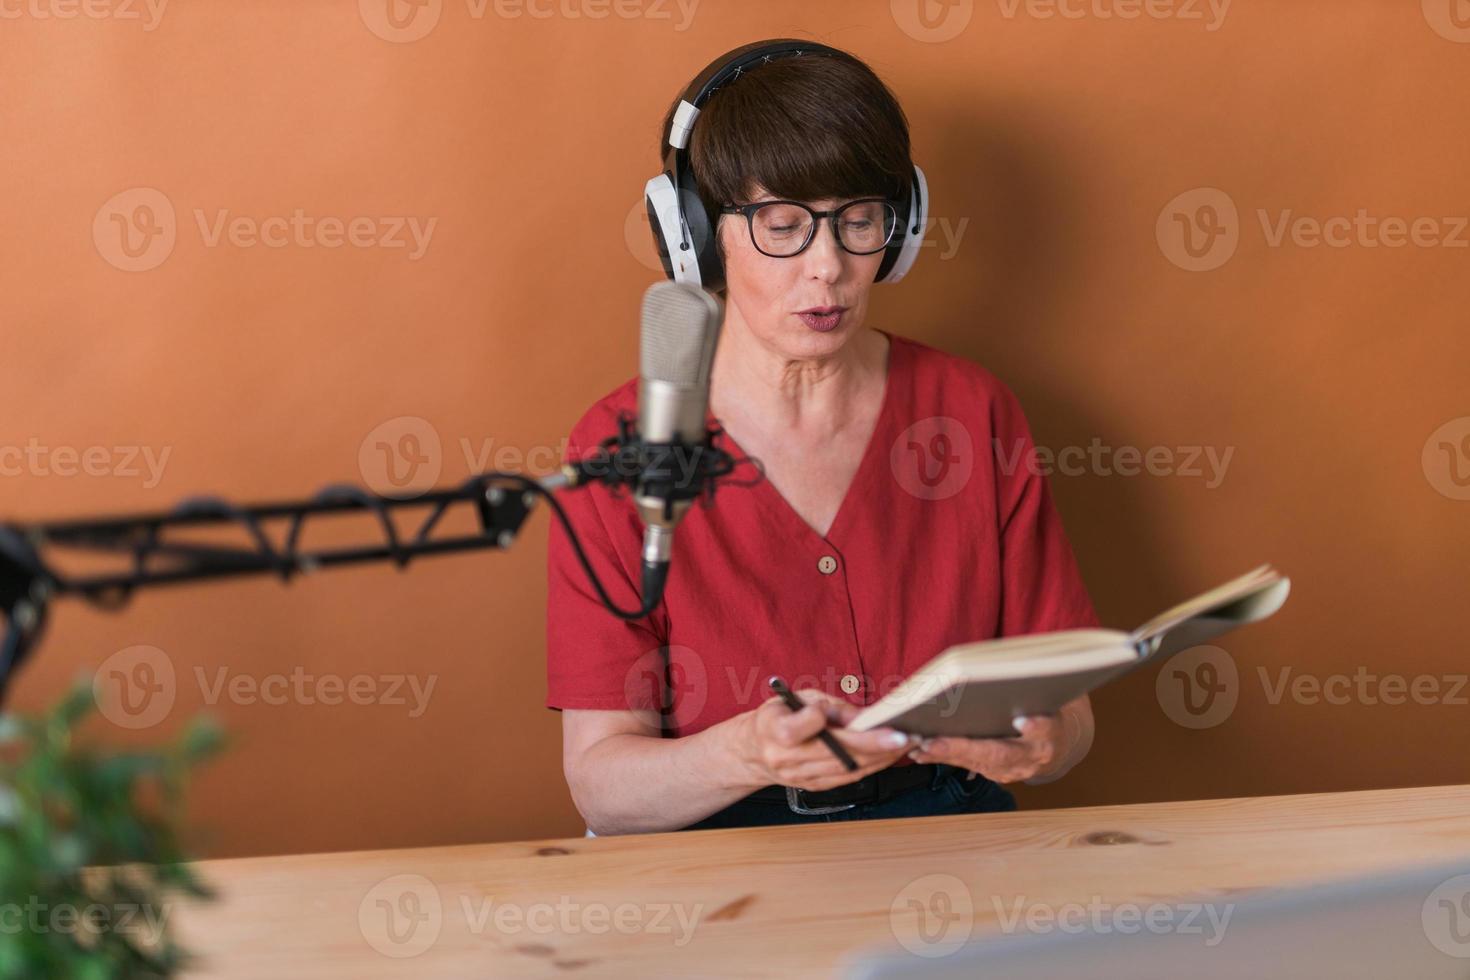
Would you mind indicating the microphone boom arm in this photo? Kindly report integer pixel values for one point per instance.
(28, 583)
(502, 502)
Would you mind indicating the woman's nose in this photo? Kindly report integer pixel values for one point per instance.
(825, 255)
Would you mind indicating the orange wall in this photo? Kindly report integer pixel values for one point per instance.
(1054, 146)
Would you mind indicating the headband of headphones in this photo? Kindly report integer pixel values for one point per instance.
(684, 231)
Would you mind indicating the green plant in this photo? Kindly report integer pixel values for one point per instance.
(90, 858)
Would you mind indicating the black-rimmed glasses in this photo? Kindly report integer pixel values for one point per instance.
(782, 229)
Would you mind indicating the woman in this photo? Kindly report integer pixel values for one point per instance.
(886, 529)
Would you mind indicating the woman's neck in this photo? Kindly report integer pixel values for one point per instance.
(815, 397)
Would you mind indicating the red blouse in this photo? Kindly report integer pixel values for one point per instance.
(945, 536)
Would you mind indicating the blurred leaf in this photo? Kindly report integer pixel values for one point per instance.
(77, 704)
(77, 832)
(203, 738)
(12, 729)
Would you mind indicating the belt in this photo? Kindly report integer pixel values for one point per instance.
(872, 788)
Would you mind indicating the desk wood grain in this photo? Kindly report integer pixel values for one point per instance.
(775, 901)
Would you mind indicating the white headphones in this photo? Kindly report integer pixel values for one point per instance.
(684, 232)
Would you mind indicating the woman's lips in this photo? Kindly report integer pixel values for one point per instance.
(823, 322)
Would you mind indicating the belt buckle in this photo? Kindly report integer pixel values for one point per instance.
(794, 802)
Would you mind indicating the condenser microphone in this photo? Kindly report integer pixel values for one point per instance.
(681, 326)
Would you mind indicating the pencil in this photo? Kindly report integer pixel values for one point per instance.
(796, 704)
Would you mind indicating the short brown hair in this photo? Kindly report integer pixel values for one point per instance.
(804, 128)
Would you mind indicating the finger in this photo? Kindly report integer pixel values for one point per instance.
(1038, 728)
(836, 711)
(814, 750)
(1045, 735)
(825, 774)
(816, 759)
(817, 696)
(795, 727)
(839, 712)
(872, 749)
(803, 771)
(879, 741)
(983, 754)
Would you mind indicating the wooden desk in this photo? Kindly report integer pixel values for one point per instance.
(776, 901)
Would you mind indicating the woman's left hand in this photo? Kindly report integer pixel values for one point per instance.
(1049, 745)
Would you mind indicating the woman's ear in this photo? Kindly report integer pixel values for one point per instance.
(721, 252)
(720, 226)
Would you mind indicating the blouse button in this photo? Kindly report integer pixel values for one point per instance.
(826, 564)
(849, 684)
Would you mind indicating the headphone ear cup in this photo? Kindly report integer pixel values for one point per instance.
(705, 261)
(704, 256)
(682, 232)
(901, 253)
(662, 205)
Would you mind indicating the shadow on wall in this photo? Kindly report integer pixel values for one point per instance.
(997, 308)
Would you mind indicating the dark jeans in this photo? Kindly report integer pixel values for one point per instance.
(949, 792)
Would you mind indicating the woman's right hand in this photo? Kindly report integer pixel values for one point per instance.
(780, 746)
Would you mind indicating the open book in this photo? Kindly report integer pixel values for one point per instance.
(975, 689)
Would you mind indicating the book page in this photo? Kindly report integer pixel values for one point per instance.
(1217, 598)
(1031, 660)
(1029, 646)
(1247, 599)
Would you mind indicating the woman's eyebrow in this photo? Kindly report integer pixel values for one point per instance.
(837, 202)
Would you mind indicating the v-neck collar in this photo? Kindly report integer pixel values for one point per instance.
(766, 491)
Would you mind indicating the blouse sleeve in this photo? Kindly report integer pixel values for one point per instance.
(1041, 586)
(593, 658)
